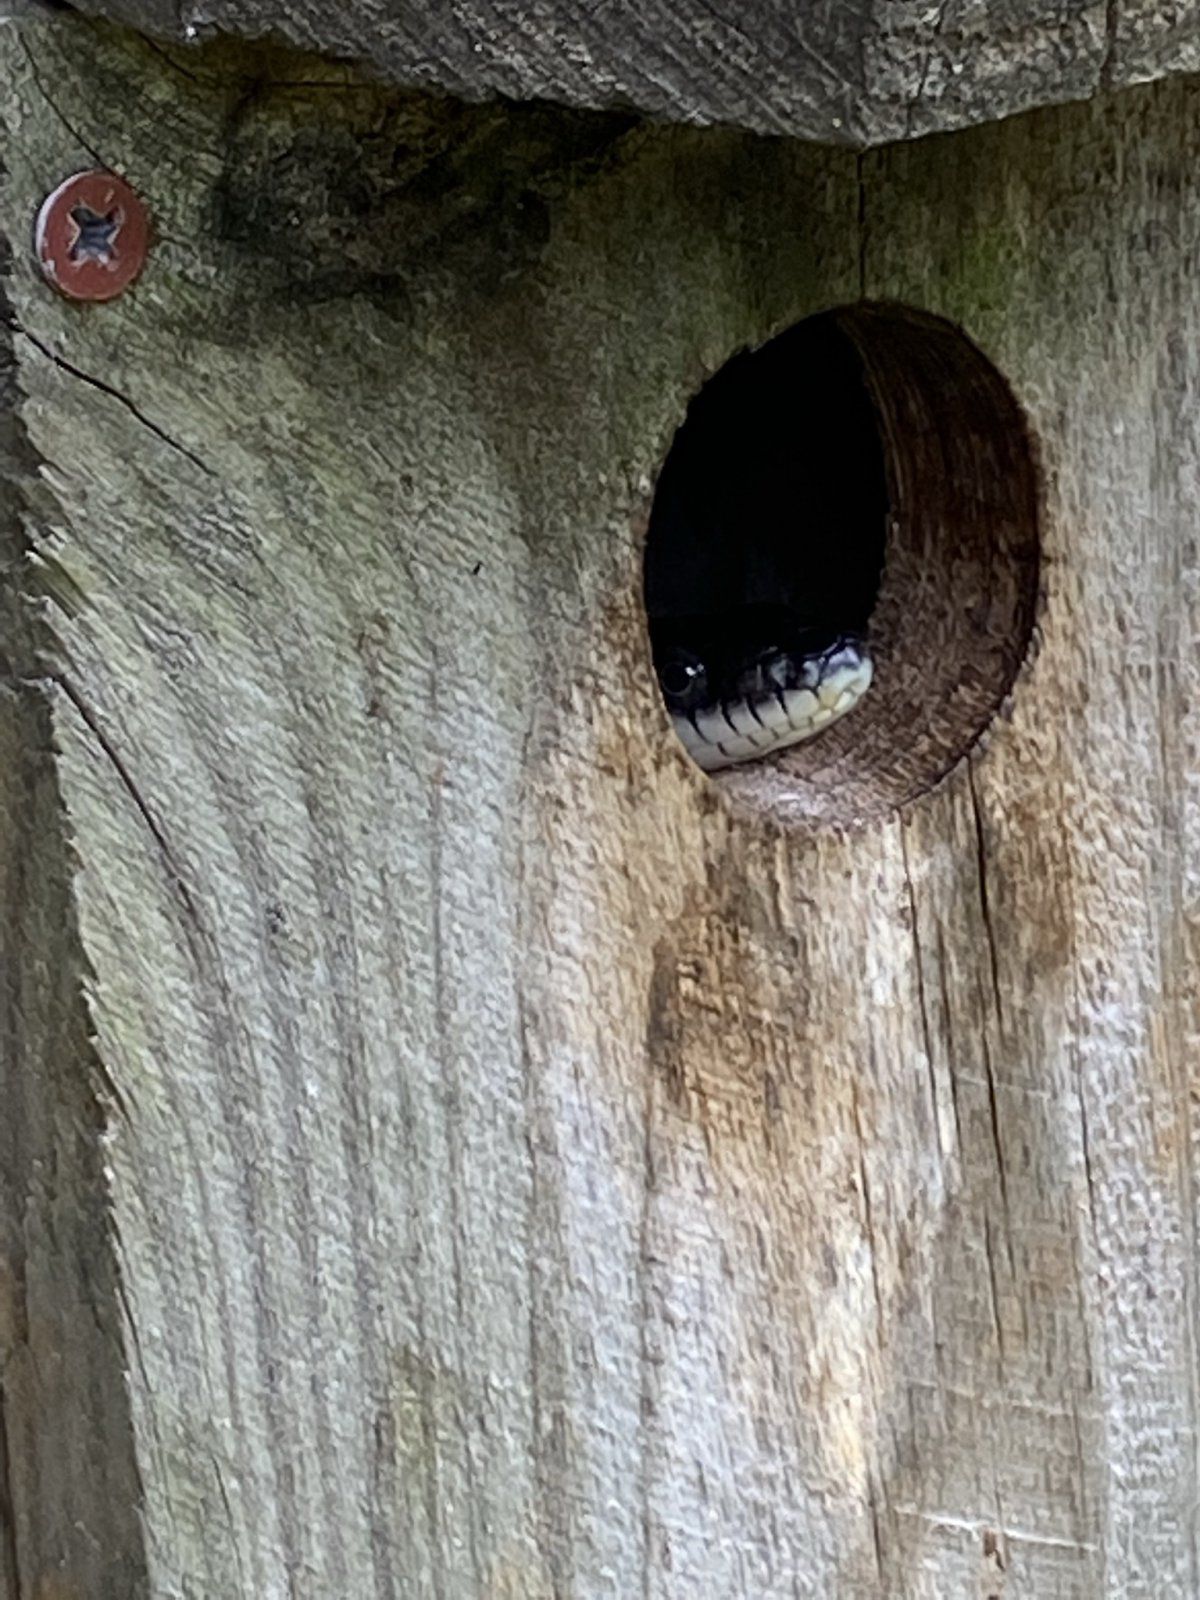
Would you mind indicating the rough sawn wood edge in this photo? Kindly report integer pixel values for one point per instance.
(854, 72)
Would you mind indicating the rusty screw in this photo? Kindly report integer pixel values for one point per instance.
(91, 236)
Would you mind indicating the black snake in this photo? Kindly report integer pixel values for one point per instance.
(755, 681)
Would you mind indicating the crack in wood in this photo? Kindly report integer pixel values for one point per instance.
(984, 900)
(39, 84)
(120, 767)
(113, 393)
(919, 965)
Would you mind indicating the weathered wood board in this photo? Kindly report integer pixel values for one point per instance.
(856, 72)
(853, 72)
(453, 1152)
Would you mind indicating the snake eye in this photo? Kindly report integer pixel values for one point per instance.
(684, 679)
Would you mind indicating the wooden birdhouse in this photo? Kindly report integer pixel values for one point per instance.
(504, 1096)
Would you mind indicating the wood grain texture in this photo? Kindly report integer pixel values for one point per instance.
(523, 1175)
(838, 71)
(858, 72)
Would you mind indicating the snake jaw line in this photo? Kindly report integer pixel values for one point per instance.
(762, 725)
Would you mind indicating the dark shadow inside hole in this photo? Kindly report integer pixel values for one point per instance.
(770, 516)
(870, 465)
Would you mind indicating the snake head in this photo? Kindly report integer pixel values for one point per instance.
(755, 681)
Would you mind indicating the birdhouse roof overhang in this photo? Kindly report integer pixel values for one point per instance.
(857, 72)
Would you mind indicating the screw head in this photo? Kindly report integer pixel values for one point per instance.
(91, 236)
